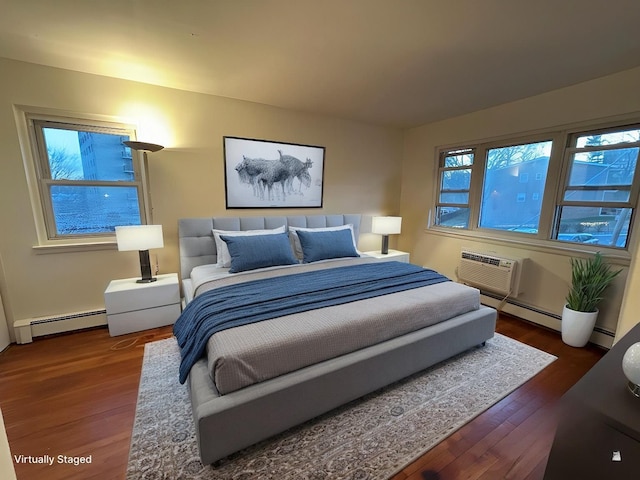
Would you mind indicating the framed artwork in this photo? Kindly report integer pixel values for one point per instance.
(266, 174)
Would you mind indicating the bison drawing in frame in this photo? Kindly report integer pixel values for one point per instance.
(267, 174)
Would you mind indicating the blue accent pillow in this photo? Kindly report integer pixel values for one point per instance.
(325, 245)
(259, 251)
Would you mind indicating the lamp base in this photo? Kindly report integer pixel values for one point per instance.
(635, 389)
(145, 268)
(146, 280)
(384, 250)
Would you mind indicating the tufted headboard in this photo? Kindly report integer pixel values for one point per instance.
(197, 246)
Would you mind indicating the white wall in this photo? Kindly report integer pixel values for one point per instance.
(548, 277)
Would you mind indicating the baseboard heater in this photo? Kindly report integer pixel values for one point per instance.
(28, 328)
(600, 336)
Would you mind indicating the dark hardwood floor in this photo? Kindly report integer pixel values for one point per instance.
(75, 395)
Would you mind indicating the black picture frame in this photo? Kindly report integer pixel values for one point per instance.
(270, 174)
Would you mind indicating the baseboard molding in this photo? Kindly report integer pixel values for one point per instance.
(27, 328)
(545, 319)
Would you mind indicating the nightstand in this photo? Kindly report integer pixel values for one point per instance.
(393, 255)
(132, 306)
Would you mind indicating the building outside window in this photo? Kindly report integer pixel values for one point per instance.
(504, 204)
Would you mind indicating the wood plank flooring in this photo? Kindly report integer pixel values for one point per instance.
(74, 395)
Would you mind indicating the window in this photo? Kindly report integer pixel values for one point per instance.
(585, 189)
(504, 205)
(452, 207)
(87, 180)
(600, 187)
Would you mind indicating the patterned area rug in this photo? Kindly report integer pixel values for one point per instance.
(371, 438)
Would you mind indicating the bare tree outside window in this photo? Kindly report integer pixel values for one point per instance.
(63, 164)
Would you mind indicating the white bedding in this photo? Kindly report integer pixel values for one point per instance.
(241, 356)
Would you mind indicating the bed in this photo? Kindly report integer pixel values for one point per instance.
(324, 357)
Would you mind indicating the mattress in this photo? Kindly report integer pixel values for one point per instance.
(241, 356)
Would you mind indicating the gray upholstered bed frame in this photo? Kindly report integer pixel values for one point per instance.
(228, 423)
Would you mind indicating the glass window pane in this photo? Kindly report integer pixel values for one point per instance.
(590, 225)
(459, 197)
(456, 179)
(604, 167)
(459, 160)
(626, 136)
(77, 155)
(599, 196)
(508, 203)
(453, 217)
(515, 154)
(90, 210)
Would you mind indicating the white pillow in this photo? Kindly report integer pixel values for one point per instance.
(224, 257)
(295, 240)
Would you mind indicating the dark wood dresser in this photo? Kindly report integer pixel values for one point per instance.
(599, 416)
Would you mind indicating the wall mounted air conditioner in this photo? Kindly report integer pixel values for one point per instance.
(489, 272)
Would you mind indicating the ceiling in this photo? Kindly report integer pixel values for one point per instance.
(398, 63)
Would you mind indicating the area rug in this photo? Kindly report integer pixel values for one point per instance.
(371, 438)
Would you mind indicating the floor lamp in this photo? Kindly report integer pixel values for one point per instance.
(145, 147)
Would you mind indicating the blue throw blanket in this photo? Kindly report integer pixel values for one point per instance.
(257, 300)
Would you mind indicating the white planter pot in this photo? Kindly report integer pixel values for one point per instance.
(577, 327)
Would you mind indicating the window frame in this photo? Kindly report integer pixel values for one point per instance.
(30, 122)
(557, 176)
(442, 168)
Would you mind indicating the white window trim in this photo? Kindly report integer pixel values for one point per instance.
(23, 114)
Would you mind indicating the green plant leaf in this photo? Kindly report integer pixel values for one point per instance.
(589, 279)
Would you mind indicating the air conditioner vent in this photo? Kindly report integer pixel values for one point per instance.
(476, 257)
(490, 272)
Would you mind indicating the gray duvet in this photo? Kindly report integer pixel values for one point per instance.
(245, 355)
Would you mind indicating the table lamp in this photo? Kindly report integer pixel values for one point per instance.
(141, 238)
(386, 226)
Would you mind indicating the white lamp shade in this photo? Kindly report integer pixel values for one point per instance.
(386, 225)
(139, 237)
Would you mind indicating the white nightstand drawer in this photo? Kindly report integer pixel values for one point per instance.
(135, 321)
(133, 306)
(126, 295)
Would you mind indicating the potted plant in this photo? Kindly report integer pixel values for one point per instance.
(589, 279)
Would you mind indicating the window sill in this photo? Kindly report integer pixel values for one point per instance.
(616, 256)
(74, 247)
